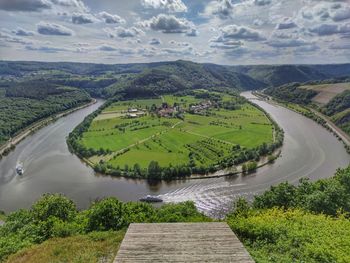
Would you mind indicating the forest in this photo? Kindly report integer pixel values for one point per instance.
(22, 104)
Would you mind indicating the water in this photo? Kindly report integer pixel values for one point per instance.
(309, 151)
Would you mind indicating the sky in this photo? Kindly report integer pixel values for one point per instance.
(230, 32)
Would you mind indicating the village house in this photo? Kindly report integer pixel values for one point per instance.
(201, 106)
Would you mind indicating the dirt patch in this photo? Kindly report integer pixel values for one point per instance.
(326, 92)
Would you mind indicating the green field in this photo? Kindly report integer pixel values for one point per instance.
(202, 138)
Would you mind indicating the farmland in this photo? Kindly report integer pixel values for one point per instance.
(201, 131)
(326, 92)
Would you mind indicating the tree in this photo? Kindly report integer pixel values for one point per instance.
(106, 214)
(154, 170)
(137, 169)
(54, 205)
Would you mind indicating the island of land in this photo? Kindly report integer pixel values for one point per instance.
(173, 136)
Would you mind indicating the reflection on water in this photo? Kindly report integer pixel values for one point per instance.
(308, 151)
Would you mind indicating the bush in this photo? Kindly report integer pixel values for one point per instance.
(106, 214)
(276, 235)
(54, 205)
(139, 213)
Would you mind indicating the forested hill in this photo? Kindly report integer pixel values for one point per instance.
(160, 77)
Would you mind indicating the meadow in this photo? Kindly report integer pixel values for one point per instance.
(200, 139)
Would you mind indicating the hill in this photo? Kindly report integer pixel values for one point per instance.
(105, 80)
(330, 97)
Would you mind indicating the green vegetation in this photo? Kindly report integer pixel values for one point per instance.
(304, 223)
(193, 132)
(288, 223)
(280, 236)
(90, 248)
(338, 104)
(292, 93)
(55, 216)
(22, 104)
(333, 100)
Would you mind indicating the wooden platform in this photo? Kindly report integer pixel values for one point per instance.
(181, 242)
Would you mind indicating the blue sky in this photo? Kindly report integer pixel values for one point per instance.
(217, 31)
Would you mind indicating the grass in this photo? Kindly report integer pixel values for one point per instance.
(93, 247)
(282, 236)
(170, 140)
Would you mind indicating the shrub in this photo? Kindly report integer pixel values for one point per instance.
(106, 214)
(54, 205)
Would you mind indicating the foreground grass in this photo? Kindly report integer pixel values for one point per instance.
(282, 236)
(93, 247)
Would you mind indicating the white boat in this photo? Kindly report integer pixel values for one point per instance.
(151, 199)
(19, 169)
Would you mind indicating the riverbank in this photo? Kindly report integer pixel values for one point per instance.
(10, 144)
(339, 133)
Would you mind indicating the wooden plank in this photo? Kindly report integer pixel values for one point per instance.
(181, 242)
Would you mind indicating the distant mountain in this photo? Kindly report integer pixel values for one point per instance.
(277, 75)
(160, 77)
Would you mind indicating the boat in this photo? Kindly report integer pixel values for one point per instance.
(151, 199)
(19, 169)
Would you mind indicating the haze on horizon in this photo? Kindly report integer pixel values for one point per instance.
(217, 31)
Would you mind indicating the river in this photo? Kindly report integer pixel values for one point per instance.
(308, 151)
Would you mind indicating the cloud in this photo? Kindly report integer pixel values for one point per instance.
(326, 11)
(234, 32)
(340, 46)
(106, 48)
(278, 43)
(128, 32)
(286, 24)
(11, 39)
(179, 44)
(178, 51)
(172, 6)
(341, 14)
(111, 19)
(306, 49)
(155, 41)
(221, 8)
(262, 2)
(46, 49)
(24, 5)
(83, 18)
(192, 32)
(168, 24)
(330, 29)
(22, 32)
(123, 32)
(227, 45)
(70, 5)
(46, 28)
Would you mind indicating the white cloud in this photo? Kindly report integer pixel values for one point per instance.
(173, 6)
(234, 32)
(155, 41)
(287, 23)
(330, 29)
(123, 32)
(23, 32)
(111, 19)
(25, 5)
(78, 18)
(168, 24)
(46, 28)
